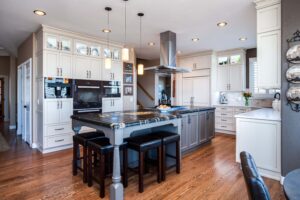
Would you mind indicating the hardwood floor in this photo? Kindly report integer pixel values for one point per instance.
(208, 173)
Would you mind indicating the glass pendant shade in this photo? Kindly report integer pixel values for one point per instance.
(140, 69)
(107, 63)
(125, 54)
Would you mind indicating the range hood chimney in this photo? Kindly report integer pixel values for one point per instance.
(167, 55)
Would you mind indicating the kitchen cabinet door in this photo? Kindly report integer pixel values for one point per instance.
(202, 127)
(201, 91)
(269, 18)
(51, 41)
(222, 78)
(187, 92)
(117, 105)
(82, 67)
(269, 60)
(107, 105)
(95, 69)
(235, 78)
(52, 112)
(193, 130)
(51, 63)
(117, 70)
(65, 65)
(184, 133)
(95, 50)
(81, 48)
(66, 110)
(66, 44)
(210, 125)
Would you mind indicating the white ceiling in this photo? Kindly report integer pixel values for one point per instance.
(187, 18)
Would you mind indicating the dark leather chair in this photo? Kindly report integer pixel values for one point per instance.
(82, 139)
(256, 187)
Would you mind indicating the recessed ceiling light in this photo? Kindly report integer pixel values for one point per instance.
(106, 30)
(222, 24)
(39, 12)
(242, 39)
(151, 43)
(195, 39)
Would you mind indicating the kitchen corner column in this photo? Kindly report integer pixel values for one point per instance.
(116, 188)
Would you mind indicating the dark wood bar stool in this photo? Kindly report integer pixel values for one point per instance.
(169, 138)
(82, 139)
(102, 148)
(142, 144)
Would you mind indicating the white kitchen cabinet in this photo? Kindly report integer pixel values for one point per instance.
(112, 105)
(57, 64)
(196, 62)
(197, 88)
(222, 78)
(58, 111)
(115, 73)
(262, 139)
(269, 18)
(230, 78)
(58, 43)
(84, 48)
(87, 68)
(269, 60)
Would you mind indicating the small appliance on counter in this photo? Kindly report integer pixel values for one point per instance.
(58, 88)
(223, 98)
(276, 104)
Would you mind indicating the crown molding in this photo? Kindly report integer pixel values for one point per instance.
(265, 3)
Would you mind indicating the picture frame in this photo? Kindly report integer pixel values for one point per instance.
(128, 68)
(128, 79)
(128, 90)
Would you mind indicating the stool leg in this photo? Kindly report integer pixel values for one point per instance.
(178, 157)
(146, 162)
(75, 147)
(125, 167)
(85, 160)
(163, 162)
(102, 176)
(159, 163)
(141, 171)
(90, 167)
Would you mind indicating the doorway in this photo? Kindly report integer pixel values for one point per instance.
(1, 100)
(25, 101)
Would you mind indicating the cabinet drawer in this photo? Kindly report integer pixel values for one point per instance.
(224, 114)
(227, 127)
(241, 110)
(59, 129)
(224, 109)
(59, 140)
(221, 120)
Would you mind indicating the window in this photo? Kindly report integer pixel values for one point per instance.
(253, 67)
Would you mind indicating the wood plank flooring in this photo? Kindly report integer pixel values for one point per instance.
(207, 173)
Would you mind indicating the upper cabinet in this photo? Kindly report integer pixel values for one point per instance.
(87, 49)
(113, 53)
(269, 44)
(58, 43)
(196, 62)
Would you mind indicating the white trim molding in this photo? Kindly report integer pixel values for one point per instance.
(34, 145)
(282, 180)
(11, 127)
(266, 3)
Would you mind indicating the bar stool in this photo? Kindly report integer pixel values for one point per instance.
(169, 138)
(101, 147)
(82, 139)
(142, 144)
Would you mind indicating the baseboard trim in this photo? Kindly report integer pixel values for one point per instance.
(282, 180)
(34, 146)
(11, 127)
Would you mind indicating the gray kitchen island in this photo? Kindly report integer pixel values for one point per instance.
(119, 125)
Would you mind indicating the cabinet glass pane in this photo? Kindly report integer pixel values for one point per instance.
(51, 42)
(81, 48)
(66, 45)
(235, 59)
(95, 51)
(107, 53)
(116, 55)
(223, 60)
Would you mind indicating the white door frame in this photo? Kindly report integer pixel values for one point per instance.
(6, 97)
(19, 99)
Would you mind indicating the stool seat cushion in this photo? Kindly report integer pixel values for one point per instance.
(167, 137)
(143, 142)
(84, 137)
(101, 144)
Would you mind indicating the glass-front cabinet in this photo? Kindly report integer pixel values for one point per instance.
(113, 53)
(87, 49)
(52, 42)
(65, 44)
(58, 43)
(95, 50)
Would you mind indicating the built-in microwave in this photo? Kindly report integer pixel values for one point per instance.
(57, 88)
(87, 96)
(111, 88)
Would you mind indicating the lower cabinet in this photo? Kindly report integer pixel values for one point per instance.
(197, 128)
(112, 105)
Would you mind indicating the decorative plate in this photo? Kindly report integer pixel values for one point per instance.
(293, 95)
(293, 54)
(293, 74)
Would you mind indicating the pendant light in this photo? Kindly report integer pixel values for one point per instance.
(125, 50)
(140, 65)
(107, 60)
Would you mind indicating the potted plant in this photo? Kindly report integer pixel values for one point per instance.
(247, 95)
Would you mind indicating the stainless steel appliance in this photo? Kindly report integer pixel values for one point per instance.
(87, 96)
(223, 98)
(111, 88)
(57, 88)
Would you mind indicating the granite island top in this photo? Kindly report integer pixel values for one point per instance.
(116, 120)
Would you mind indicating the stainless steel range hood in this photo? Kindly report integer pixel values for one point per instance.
(168, 56)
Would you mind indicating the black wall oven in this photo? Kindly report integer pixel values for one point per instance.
(111, 88)
(87, 96)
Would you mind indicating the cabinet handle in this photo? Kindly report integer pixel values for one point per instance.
(57, 71)
(223, 120)
(87, 74)
(207, 115)
(60, 45)
(59, 129)
(60, 105)
(113, 76)
(57, 44)
(90, 74)
(60, 140)
(57, 105)
(60, 71)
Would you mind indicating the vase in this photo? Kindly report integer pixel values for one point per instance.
(246, 101)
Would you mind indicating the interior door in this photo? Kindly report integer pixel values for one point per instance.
(28, 101)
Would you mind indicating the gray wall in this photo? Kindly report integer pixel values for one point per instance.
(290, 120)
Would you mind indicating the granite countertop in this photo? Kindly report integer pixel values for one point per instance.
(261, 114)
(235, 106)
(116, 120)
